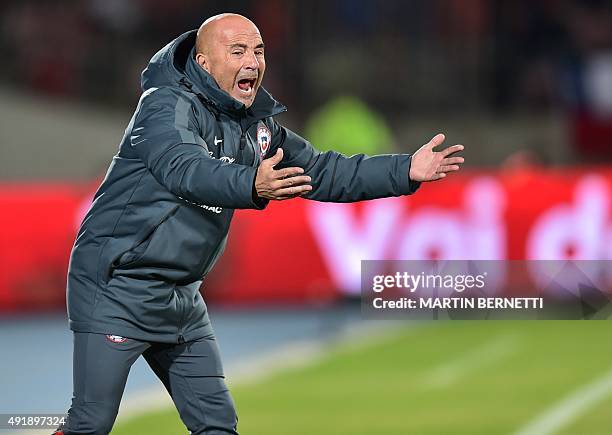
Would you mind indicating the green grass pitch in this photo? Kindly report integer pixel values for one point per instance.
(440, 378)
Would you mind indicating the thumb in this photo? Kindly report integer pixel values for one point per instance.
(435, 141)
(276, 158)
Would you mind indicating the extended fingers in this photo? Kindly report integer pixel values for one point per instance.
(447, 168)
(294, 181)
(276, 158)
(438, 176)
(451, 150)
(451, 164)
(435, 141)
(288, 172)
(452, 161)
(293, 191)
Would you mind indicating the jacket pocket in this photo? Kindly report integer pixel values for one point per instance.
(139, 247)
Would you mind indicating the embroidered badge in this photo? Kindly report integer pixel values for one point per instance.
(264, 137)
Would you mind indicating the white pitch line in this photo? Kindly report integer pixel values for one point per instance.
(570, 408)
(488, 353)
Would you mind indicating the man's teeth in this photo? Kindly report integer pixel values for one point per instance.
(246, 87)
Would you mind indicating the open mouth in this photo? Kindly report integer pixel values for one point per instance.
(246, 86)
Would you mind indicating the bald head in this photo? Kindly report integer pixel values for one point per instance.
(230, 48)
(209, 29)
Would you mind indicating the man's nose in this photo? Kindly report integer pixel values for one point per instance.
(251, 61)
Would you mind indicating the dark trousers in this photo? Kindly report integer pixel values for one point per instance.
(191, 372)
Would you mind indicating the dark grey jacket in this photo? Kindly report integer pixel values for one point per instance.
(160, 219)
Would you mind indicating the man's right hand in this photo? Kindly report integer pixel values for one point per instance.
(282, 184)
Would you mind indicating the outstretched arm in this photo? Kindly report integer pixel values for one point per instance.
(335, 177)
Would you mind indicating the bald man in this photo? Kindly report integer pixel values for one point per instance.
(202, 142)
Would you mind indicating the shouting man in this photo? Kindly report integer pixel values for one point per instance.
(203, 141)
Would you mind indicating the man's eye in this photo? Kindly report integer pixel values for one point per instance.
(237, 52)
(259, 53)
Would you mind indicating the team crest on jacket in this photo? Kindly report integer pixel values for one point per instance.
(116, 338)
(264, 137)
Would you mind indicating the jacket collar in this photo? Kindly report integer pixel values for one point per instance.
(170, 66)
(199, 81)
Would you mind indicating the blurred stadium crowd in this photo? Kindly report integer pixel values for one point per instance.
(409, 58)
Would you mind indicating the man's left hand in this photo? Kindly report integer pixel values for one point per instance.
(430, 165)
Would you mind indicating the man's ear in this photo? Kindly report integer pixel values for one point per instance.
(202, 60)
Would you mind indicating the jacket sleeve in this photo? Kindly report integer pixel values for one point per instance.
(164, 135)
(338, 178)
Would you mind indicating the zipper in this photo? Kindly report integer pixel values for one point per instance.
(241, 147)
(181, 338)
(216, 112)
(243, 142)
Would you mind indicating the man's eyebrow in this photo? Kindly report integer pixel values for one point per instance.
(238, 45)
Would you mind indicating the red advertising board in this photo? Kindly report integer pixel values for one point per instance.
(304, 250)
